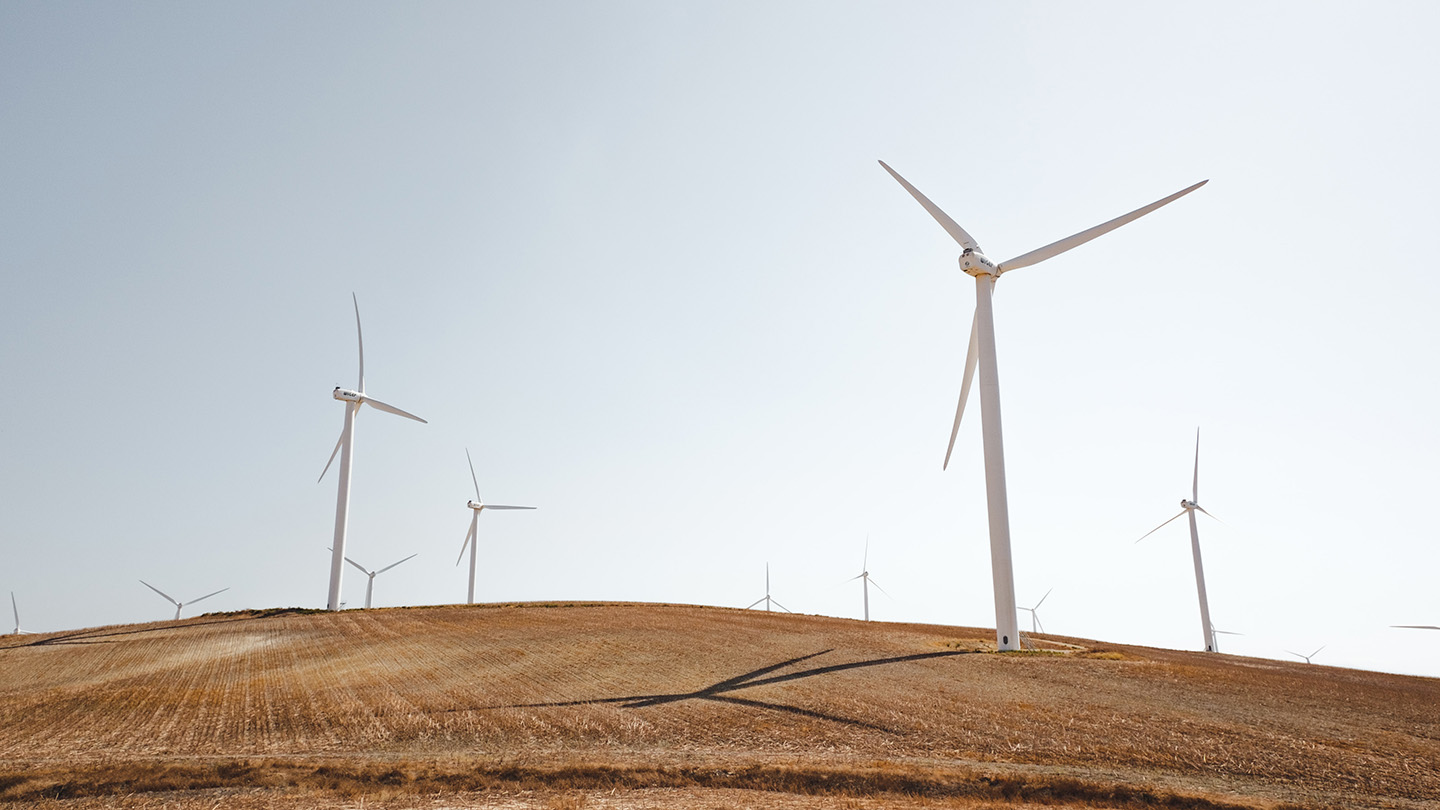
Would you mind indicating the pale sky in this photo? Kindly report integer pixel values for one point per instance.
(640, 259)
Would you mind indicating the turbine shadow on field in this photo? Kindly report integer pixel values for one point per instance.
(717, 691)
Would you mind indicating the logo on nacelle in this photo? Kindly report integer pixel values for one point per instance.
(348, 395)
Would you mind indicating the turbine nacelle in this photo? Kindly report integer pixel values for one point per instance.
(977, 264)
(1187, 504)
(346, 395)
(476, 505)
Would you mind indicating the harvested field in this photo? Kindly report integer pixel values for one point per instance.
(622, 705)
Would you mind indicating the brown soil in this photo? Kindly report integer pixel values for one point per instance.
(638, 706)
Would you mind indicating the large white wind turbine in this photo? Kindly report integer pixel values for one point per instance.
(346, 448)
(982, 352)
(864, 576)
(471, 538)
(16, 608)
(766, 598)
(1190, 507)
(180, 605)
(370, 585)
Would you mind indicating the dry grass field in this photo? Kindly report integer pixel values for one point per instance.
(651, 706)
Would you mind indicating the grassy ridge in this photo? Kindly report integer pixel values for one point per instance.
(647, 696)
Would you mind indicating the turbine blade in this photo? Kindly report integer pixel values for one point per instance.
(1043, 598)
(392, 565)
(333, 454)
(972, 355)
(1161, 526)
(362, 568)
(951, 227)
(1317, 652)
(469, 537)
(865, 560)
(1416, 626)
(167, 596)
(756, 602)
(1195, 489)
(473, 479)
(392, 409)
(878, 588)
(499, 506)
(1056, 248)
(1212, 517)
(782, 607)
(852, 579)
(15, 608)
(206, 596)
(361, 338)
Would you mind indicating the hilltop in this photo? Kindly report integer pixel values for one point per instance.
(626, 705)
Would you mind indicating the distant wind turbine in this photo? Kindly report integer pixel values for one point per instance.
(346, 448)
(982, 352)
(1190, 507)
(1035, 625)
(471, 537)
(16, 609)
(864, 576)
(1307, 657)
(766, 598)
(370, 585)
(180, 605)
(1215, 640)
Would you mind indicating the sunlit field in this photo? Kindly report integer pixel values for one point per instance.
(623, 705)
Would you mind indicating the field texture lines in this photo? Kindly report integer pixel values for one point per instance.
(489, 699)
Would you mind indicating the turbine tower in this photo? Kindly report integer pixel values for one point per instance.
(766, 598)
(471, 537)
(180, 605)
(982, 352)
(864, 576)
(1190, 507)
(370, 585)
(346, 448)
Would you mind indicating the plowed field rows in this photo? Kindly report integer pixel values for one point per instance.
(443, 694)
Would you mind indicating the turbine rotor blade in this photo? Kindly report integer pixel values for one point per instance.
(473, 479)
(1161, 526)
(499, 506)
(972, 356)
(877, 587)
(1043, 598)
(1416, 626)
(392, 409)
(1056, 248)
(206, 596)
(756, 602)
(469, 536)
(333, 454)
(782, 607)
(1317, 652)
(1212, 517)
(362, 568)
(361, 338)
(1195, 488)
(951, 227)
(392, 565)
(167, 596)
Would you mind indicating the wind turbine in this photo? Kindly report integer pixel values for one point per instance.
(346, 448)
(1307, 657)
(766, 598)
(864, 575)
(1190, 507)
(982, 352)
(370, 586)
(180, 605)
(1215, 639)
(471, 538)
(1035, 625)
(16, 608)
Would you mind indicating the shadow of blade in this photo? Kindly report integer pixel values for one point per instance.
(781, 707)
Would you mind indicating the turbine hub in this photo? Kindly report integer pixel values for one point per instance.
(1188, 504)
(346, 395)
(474, 505)
(977, 264)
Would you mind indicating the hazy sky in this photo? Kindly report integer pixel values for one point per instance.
(640, 259)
